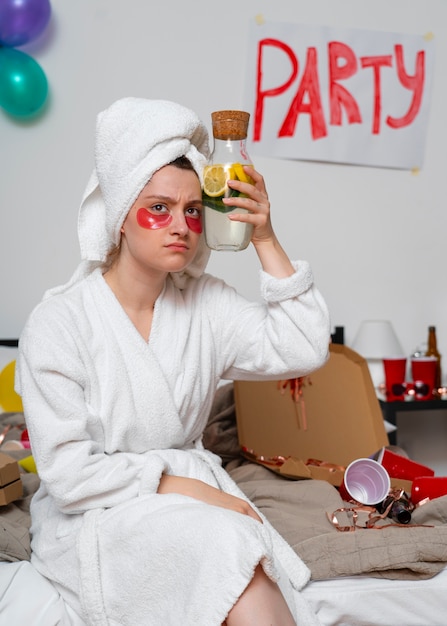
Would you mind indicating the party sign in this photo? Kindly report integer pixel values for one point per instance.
(340, 95)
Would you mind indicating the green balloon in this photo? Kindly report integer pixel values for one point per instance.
(23, 84)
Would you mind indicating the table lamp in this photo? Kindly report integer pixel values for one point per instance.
(376, 340)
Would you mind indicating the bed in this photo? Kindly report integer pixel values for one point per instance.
(369, 577)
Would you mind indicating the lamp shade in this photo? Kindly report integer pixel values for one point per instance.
(376, 339)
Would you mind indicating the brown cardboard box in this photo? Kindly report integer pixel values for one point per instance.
(400, 483)
(336, 420)
(294, 468)
(11, 487)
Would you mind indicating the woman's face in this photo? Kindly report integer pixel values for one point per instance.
(162, 229)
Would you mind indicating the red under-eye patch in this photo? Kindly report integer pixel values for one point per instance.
(194, 224)
(153, 222)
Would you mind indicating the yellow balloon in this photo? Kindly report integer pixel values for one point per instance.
(28, 464)
(10, 401)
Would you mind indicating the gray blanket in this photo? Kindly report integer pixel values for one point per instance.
(297, 509)
(15, 517)
(15, 523)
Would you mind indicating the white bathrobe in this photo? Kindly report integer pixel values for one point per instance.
(108, 413)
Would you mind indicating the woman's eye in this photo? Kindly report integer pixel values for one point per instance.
(158, 209)
(194, 212)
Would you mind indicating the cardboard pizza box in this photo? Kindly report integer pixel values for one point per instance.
(315, 426)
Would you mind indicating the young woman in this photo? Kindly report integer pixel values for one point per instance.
(134, 522)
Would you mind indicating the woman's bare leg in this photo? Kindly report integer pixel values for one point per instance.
(261, 604)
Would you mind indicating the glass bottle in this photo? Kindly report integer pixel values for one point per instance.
(230, 130)
(399, 505)
(432, 350)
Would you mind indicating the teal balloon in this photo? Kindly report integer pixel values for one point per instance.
(23, 84)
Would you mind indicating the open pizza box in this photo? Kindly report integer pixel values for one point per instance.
(315, 426)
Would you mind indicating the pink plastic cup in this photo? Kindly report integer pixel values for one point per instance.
(366, 481)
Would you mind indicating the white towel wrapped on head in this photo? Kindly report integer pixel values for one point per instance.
(134, 138)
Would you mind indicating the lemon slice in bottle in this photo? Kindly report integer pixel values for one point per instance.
(214, 180)
(242, 176)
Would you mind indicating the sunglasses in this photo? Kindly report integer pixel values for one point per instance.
(417, 388)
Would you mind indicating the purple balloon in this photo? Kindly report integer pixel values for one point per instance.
(21, 21)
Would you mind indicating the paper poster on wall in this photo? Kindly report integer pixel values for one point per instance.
(339, 95)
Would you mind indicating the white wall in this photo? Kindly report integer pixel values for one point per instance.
(375, 237)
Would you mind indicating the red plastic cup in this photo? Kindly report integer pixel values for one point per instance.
(423, 371)
(24, 438)
(365, 481)
(399, 466)
(428, 487)
(395, 369)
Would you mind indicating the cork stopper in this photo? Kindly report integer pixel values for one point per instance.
(231, 125)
